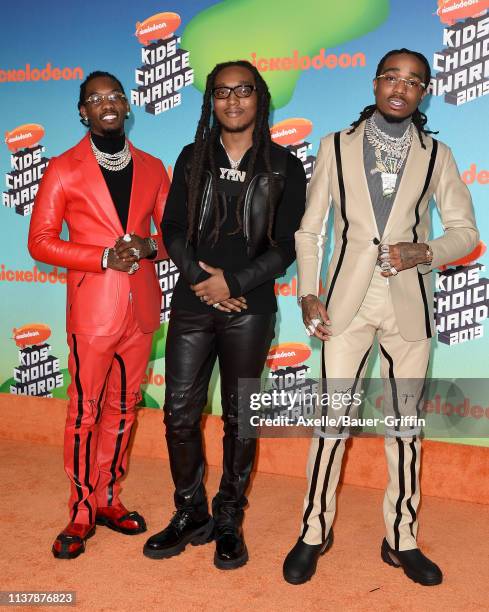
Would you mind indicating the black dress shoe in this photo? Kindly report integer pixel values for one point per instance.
(300, 563)
(182, 530)
(415, 565)
(231, 551)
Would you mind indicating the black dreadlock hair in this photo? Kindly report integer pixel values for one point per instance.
(83, 87)
(206, 136)
(419, 119)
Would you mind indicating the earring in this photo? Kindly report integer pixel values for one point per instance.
(128, 114)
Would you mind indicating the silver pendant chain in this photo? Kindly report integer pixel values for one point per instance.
(234, 164)
(112, 161)
(390, 152)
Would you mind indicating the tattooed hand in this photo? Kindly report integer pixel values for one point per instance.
(402, 256)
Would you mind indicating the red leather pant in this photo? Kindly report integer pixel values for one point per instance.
(106, 374)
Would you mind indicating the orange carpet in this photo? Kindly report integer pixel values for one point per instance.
(114, 575)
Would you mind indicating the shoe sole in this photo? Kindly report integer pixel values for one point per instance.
(204, 535)
(77, 553)
(107, 523)
(231, 564)
(295, 581)
(386, 558)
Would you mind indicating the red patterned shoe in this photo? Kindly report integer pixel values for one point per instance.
(70, 543)
(120, 519)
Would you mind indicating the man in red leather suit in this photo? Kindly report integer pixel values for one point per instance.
(106, 191)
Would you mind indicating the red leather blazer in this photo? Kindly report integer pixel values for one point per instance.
(74, 190)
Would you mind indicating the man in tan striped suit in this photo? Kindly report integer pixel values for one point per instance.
(379, 177)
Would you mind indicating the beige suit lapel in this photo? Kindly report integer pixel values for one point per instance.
(354, 174)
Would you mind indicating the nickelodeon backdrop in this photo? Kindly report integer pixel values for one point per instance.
(318, 58)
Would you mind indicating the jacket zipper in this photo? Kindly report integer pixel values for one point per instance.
(206, 201)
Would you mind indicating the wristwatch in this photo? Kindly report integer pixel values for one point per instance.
(105, 258)
(154, 247)
(429, 254)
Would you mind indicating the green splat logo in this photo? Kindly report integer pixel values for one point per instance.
(281, 38)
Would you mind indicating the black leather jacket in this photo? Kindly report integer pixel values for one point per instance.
(268, 261)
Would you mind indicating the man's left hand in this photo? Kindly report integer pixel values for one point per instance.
(124, 249)
(402, 256)
(213, 289)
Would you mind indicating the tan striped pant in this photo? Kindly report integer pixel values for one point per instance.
(402, 364)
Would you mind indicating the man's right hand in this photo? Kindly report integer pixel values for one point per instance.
(116, 263)
(313, 308)
(232, 305)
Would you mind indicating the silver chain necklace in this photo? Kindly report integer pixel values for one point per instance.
(390, 153)
(234, 164)
(112, 161)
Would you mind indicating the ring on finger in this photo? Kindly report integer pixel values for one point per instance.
(134, 268)
(136, 252)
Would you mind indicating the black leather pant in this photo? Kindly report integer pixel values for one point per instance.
(241, 343)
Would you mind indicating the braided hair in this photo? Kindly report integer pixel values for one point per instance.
(419, 119)
(203, 158)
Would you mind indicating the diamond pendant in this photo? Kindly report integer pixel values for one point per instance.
(389, 180)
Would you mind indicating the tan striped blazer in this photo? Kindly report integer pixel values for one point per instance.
(339, 183)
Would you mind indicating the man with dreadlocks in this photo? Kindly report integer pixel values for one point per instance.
(107, 192)
(235, 202)
(379, 176)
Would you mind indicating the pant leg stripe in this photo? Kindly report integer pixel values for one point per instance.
(402, 492)
(87, 477)
(324, 409)
(312, 490)
(120, 434)
(325, 489)
(413, 484)
(357, 378)
(420, 402)
(76, 476)
(317, 465)
(78, 385)
(395, 399)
